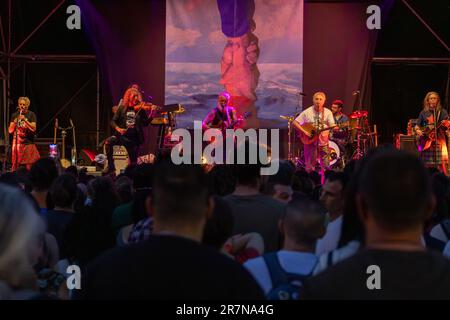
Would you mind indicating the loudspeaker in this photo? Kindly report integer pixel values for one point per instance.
(407, 143)
(120, 157)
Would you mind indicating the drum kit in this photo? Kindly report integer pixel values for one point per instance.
(350, 142)
(167, 122)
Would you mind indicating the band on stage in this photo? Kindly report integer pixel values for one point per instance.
(327, 136)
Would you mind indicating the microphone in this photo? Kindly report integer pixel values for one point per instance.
(71, 123)
(301, 94)
(149, 97)
(354, 93)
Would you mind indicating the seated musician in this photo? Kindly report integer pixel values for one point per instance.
(321, 118)
(223, 116)
(127, 123)
(425, 127)
(340, 135)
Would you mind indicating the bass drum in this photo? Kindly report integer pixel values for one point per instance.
(335, 152)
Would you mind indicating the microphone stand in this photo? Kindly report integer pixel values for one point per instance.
(16, 142)
(435, 139)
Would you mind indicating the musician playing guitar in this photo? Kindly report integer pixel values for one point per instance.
(223, 116)
(321, 118)
(127, 123)
(431, 154)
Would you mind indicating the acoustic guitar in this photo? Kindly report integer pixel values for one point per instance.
(424, 141)
(223, 126)
(309, 132)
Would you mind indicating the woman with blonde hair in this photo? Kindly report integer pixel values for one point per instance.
(21, 231)
(432, 154)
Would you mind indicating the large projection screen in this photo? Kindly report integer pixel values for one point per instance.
(251, 49)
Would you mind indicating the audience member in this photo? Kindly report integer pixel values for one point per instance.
(332, 197)
(394, 200)
(279, 185)
(20, 230)
(301, 226)
(64, 194)
(253, 211)
(221, 180)
(166, 266)
(89, 233)
(42, 174)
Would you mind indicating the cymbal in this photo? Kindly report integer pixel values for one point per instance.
(159, 121)
(181, 109)
(288, 118)
(359, 114)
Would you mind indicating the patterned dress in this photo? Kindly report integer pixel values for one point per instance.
(427, 156)
(24, 151)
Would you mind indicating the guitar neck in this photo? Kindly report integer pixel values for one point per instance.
(326, 129)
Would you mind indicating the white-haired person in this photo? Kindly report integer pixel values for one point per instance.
(321, 118)
(22, 231)
(222, 116)
(23, 129)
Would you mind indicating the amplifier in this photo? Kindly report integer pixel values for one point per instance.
(406, 143)
(120, 157)
(120, 151)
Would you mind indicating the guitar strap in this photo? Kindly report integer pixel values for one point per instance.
(227, 110)
(323, 116)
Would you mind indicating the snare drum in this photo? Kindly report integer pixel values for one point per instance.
(335, 152)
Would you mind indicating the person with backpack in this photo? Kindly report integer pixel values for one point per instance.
(280, 274)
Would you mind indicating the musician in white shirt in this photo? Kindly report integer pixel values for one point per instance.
(321, 118)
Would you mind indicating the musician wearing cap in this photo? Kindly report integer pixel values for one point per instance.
(23, 129)
(314, 124)
(340, 135)
(432, 154)
(128, 122)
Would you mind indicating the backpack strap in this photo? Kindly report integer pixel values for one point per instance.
(445, 225)
(278, 275)
(329, 259)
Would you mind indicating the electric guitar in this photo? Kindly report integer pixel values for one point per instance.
(309, 132)
(223, 125)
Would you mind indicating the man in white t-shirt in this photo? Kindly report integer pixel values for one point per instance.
(301, 226)
(321, 118)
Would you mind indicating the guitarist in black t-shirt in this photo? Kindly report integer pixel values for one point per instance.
(223, 116)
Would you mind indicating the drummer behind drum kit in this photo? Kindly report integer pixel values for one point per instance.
(355, 138)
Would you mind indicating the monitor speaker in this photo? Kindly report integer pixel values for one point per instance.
(407, 143)
(120, 157)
